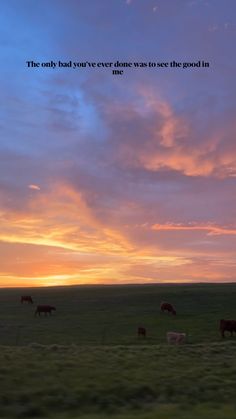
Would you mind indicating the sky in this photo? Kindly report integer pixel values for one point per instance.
(115, 179)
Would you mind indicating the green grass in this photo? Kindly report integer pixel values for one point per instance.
(85, 361)
(39, 381)
(42, 380)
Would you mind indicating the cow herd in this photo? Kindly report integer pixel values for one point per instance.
(180, 337)
(172, 337)
(45, 308)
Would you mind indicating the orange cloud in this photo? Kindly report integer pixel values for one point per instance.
(212, 230)
(171, 141)
(58, 239)
(61, 218)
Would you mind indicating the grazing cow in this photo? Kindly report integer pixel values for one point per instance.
(176, 337)
(227, 325)
(142, 331)
(27, 299)
(44, 309)
(167, 307)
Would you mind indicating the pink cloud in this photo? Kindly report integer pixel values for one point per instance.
(34, 187)
(211, 230)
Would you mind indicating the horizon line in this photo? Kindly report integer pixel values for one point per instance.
(119, 285)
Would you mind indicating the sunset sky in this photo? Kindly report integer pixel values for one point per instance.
(117, 179)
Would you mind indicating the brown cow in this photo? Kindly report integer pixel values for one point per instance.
(142, 331)
(167, 307)
(26, 298)
(227, 325)
(44, 309)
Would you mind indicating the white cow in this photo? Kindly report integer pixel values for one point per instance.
(175, 337)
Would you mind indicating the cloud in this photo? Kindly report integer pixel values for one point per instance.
(61, 218)
(34, 187)
(211, 230)
(152, 135)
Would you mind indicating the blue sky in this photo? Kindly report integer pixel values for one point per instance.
(117, 178)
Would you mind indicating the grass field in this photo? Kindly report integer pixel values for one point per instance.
(86, 361)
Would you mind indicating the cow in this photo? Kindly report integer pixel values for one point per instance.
(44, 309)
(227, 325)
(167, 307)
(175, 337)
(26, 298)
(142, 331)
